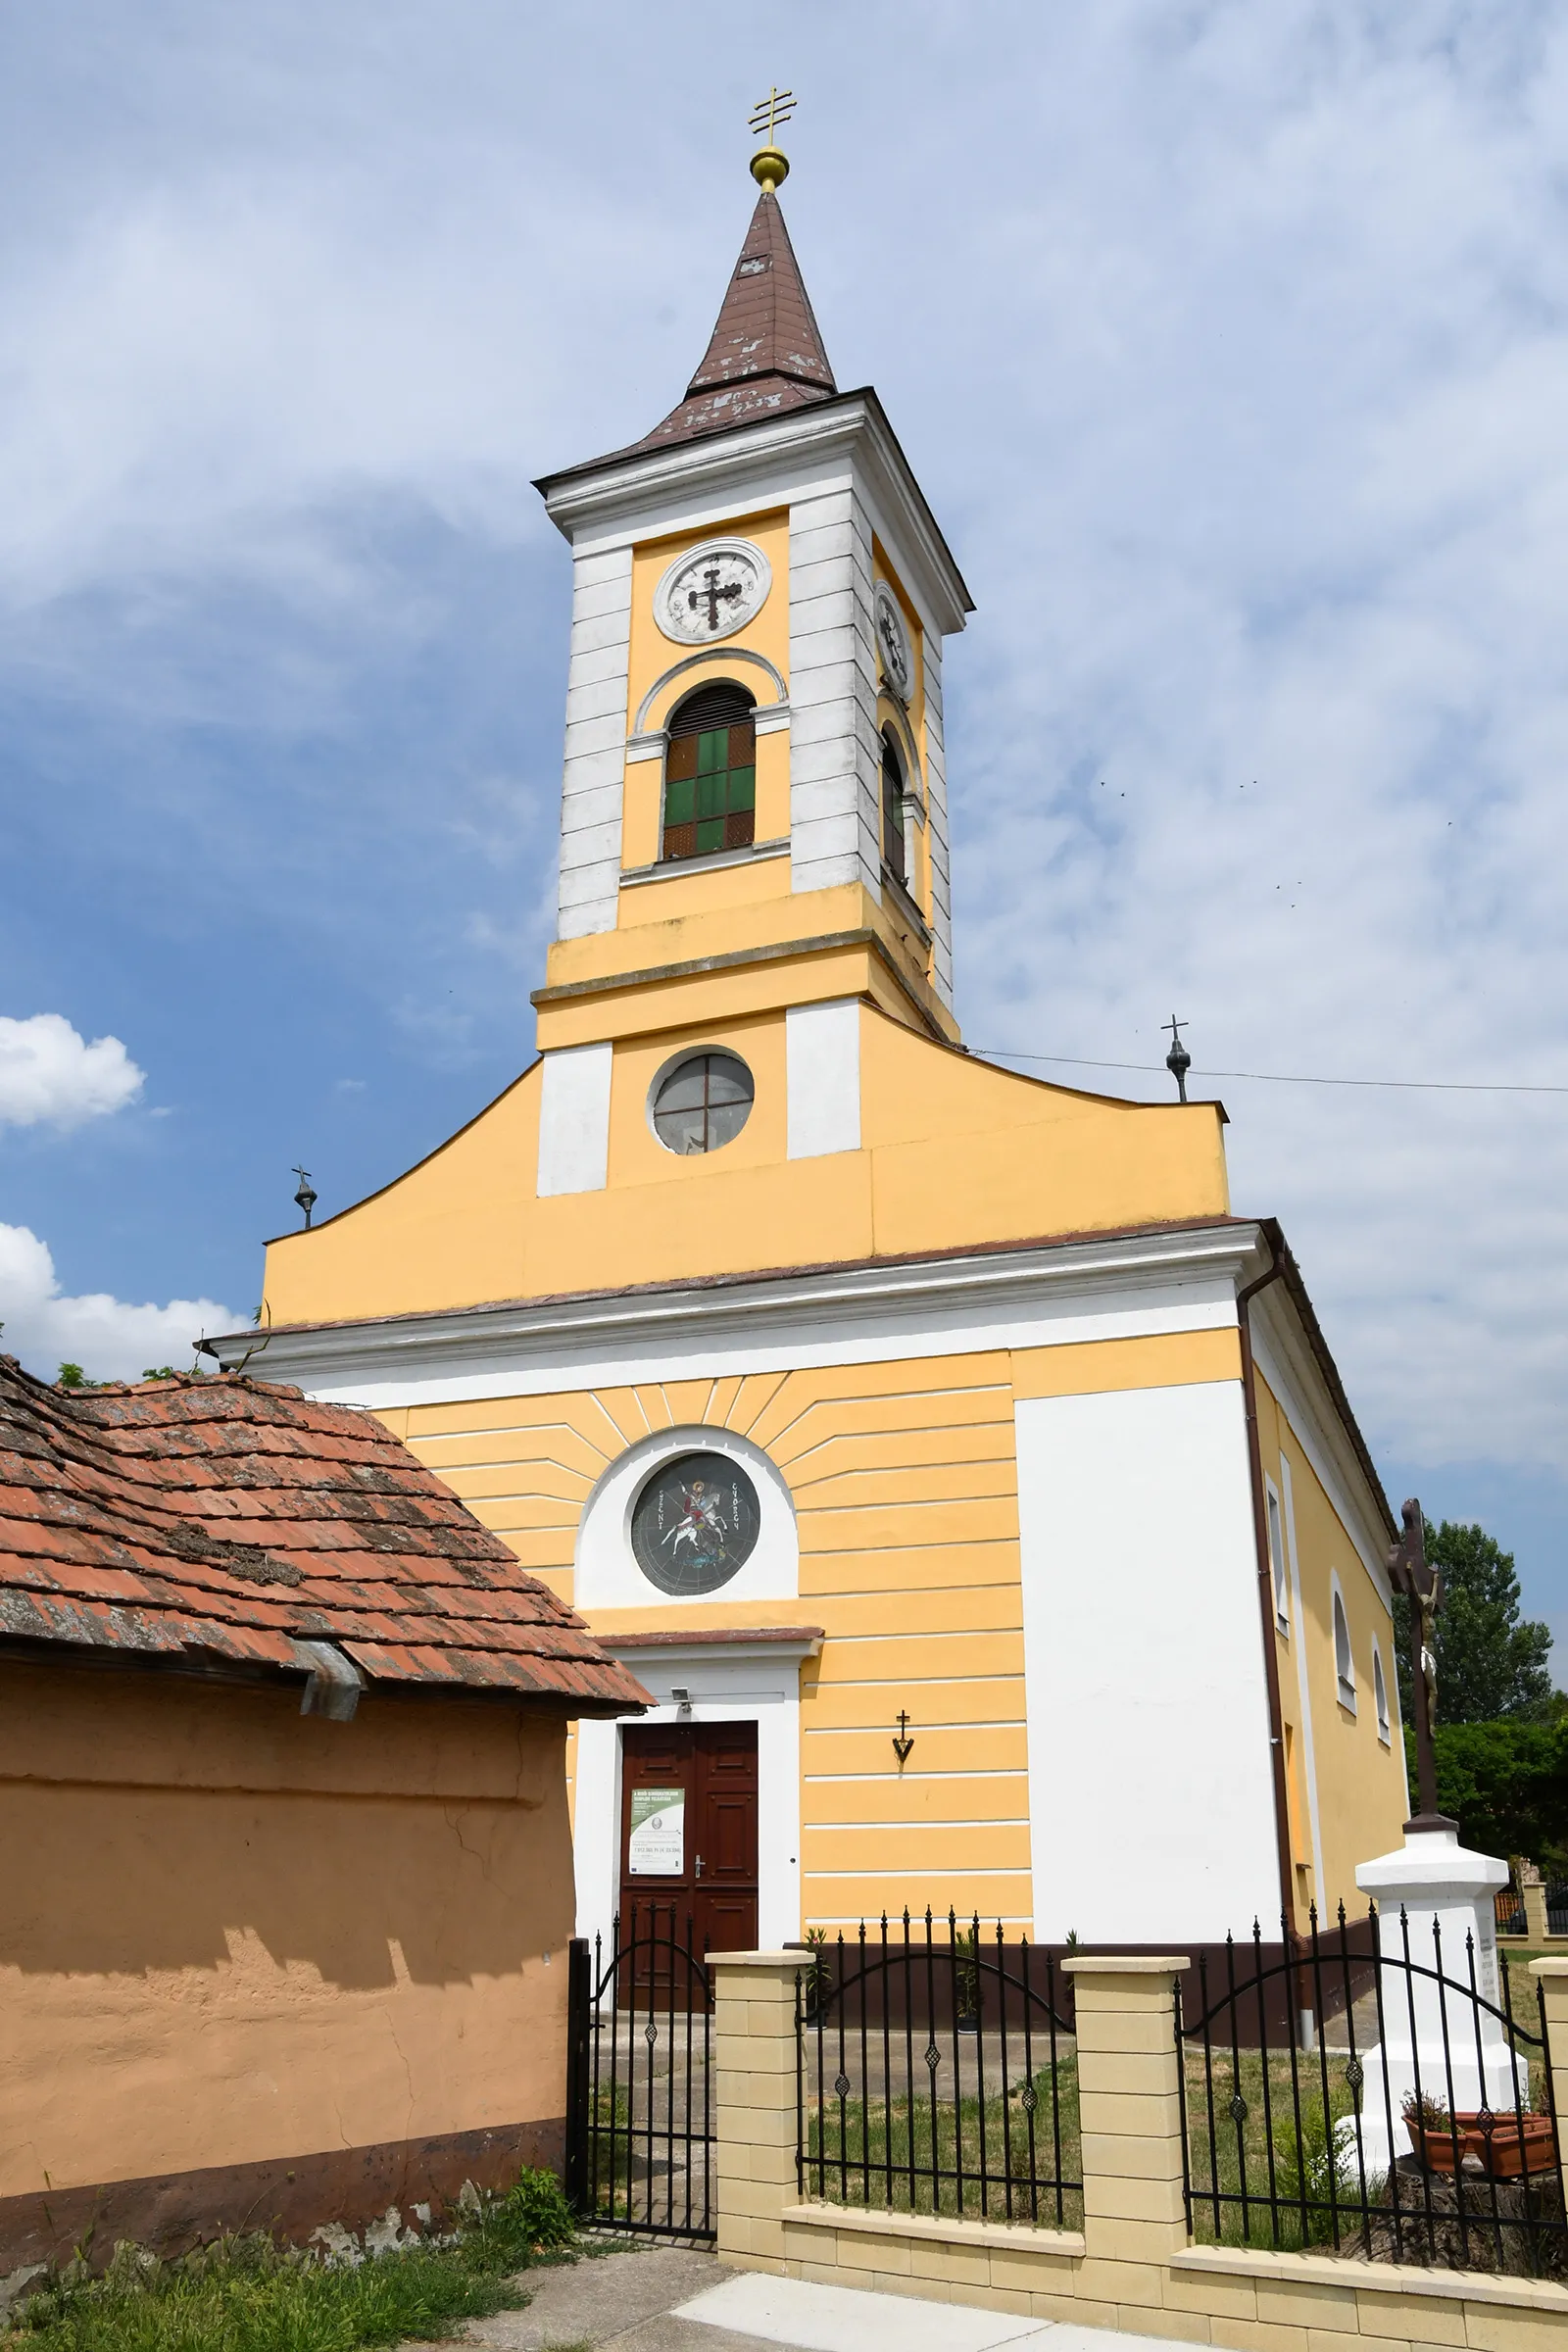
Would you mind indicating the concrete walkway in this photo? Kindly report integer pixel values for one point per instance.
(672, 2299)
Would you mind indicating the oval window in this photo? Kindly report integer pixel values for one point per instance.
(704, 1101)
(695, 1524)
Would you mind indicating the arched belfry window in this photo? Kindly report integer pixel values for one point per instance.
(892, 849)
(710, 772)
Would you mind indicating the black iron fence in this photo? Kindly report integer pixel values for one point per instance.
(639, 2100)
(1419, 2127)
(937, 2072)
(1557, 1906)
(1510, 1906)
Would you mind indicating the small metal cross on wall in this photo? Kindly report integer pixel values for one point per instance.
(902, 1740)
(713, 594)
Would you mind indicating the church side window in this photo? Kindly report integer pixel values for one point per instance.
(1276, 1554)
(892, 849)
(1379, 1695)
(1343, 1662)
(710, 773)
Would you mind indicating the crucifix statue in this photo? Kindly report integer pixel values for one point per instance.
(1413, 1575)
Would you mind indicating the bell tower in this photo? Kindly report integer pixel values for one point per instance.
(754, 804)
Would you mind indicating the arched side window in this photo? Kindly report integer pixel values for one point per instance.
(1343, 1660)
(894, 856)
(1276, 1559)
(1380, 1698)
(710, 772)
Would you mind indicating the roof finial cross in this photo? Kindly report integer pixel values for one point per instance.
(1178, 1061)
(769, 168)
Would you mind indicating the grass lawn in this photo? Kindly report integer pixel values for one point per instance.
(879, 2153)
(250, 2296)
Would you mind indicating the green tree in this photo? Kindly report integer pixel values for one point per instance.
(71, 1376)
(1492, 1661)
(1505, 1784)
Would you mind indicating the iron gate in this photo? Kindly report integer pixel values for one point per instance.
(639, 2096)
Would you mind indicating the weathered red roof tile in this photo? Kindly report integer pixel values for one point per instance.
(229, 1519)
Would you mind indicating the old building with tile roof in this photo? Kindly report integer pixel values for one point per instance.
(284, 1821)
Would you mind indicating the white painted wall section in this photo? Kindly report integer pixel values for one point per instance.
(593, 776)
(574, 1120)
(822, 1070)
(1150, 1791)
(834, 769)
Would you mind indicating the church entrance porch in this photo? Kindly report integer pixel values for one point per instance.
(688, 1830)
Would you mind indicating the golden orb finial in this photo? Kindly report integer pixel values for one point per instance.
(770, 166)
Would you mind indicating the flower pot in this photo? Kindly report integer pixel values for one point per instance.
(1508, 2152)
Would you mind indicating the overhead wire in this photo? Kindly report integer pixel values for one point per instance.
(1157, 1070)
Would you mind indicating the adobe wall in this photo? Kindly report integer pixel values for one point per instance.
(259, 1967)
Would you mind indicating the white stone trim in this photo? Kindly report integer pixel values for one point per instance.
(667, 868)
(1303, 1687)
(728, 1684)
(593, 770)
(822, 1064)
(1287, 1363)
(700, 660)
(574, 1119)
(606, 1570)
(1340, 1615)
(1049, 1295)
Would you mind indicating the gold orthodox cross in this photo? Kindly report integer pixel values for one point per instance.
(770, 111)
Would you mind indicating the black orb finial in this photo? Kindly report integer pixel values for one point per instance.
(1178, 1061)
(305, 1199)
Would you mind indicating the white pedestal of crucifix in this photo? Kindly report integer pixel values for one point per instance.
(1437, 2042)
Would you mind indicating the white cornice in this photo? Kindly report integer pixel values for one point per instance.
(758, 461)
(1286, 1362)
(1122, 1287)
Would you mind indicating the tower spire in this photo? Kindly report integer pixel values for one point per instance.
(766, 355)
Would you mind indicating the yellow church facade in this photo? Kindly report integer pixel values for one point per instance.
(973, 1489)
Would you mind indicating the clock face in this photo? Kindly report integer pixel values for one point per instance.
(896, 664)
(695, 1524)
(712, 591)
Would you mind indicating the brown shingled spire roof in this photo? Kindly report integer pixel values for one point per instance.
(766, 355)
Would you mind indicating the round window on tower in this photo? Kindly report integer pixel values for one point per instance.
(701, 1104)
(695, 1524)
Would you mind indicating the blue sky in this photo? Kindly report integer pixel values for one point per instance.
(1231, 345)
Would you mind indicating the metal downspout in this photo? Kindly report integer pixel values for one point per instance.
(1266, 1593)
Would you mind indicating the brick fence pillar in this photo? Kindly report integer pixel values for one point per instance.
(1130, 2108)
(1552, 1978)
(1535, 1902)
(754, 2102)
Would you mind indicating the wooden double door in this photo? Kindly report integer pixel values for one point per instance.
(688, 1830)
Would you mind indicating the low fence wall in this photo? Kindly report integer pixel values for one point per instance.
(1132, 2264)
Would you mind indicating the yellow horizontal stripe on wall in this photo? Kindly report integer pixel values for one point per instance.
(856, 1894)
(531, 1511)
(891, 1657)
(938, 1749)
(861, 1706)
(553, 1440)
(796, 1422)
(952, 1608)
(881, 1526)
(1162, 1360)
(885, 1453)
(906, 1568)
(906, 1377)
(922, 1845)
(834, 1804)
(836, 1487)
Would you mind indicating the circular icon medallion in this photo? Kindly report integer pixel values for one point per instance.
(695, 1524)
(711, 591)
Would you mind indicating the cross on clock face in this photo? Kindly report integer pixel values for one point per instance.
(711, 591)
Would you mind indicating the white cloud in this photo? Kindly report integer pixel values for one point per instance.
(109, 1338)
(50, 1076)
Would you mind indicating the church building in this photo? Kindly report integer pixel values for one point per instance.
(971, 1486)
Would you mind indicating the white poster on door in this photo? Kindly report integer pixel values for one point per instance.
(657, 1847)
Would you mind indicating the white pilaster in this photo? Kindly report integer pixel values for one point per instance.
(822, 1068)
(574, 1119)
(593, 770)
(834, 762)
